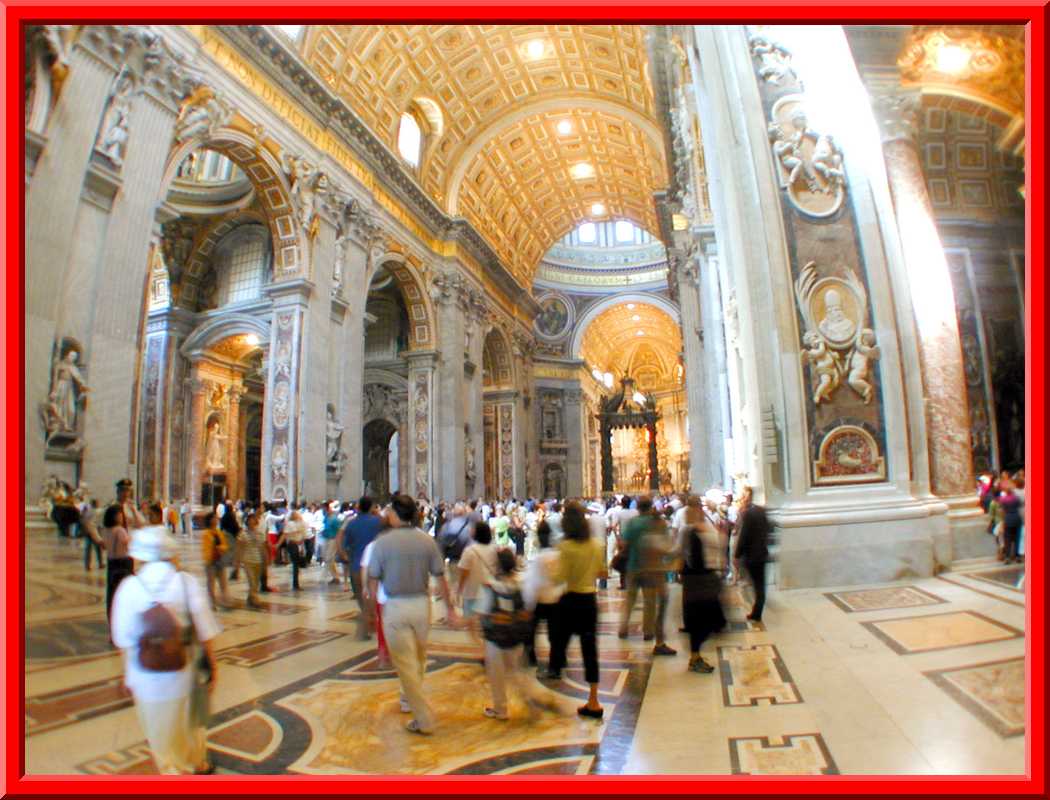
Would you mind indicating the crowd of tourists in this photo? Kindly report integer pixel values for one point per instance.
(503, 570)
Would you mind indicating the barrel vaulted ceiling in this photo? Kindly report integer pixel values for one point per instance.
(500, 159)
(613, 337)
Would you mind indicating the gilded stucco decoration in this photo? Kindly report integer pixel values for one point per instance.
(623, 338)
(991, 76)
(509, 174)
(836, 342)
(809, 163)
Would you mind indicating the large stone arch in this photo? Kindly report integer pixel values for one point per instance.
(592, 313)
(215, 330)
(204, 245)
(552, 102)
(262, 168)
(497, 352)
(405, 270)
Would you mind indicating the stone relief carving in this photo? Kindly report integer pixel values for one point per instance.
(809, 163)
(897, 115)
(203, 113)
(774, 60)
(836, 341)
(67, 395)
(113, 132)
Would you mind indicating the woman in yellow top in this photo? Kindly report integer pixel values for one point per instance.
(581, 564)
(213, 545)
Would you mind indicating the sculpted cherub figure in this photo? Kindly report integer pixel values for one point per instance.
(864, 352)
(824, 365)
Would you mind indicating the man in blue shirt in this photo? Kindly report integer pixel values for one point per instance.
(356, 536)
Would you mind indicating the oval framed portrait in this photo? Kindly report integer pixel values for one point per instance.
(555, 317)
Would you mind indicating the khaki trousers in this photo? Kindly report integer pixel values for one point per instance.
(179, 747)
(406, 626)
(654, 604)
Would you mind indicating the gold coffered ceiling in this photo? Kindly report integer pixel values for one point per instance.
(612, 342)
(499, 160)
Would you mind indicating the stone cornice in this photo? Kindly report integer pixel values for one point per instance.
(282, 63)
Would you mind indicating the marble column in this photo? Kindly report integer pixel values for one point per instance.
(195, 457)
(451, 299)
(715, 357)
(282, 420)
(526, 443)
(473, 402)
(234, 443)
(703, 471)
(933, 301)
(576, 436)
(420, 415)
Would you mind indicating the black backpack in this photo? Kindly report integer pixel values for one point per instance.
(509, 623)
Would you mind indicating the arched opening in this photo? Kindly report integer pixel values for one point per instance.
(380, 455)
(642, 342)
(498, 414)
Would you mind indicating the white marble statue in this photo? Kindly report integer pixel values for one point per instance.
(824, 364)
(113, 135)
(333, 437)
(864, 352)
(213, 455)
(67, 391)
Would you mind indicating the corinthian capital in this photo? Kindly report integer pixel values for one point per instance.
(898, 115)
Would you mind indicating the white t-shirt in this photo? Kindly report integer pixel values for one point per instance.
(623, 516)
(541, 579)
(182, 594)
(598, 526)
(481, 562)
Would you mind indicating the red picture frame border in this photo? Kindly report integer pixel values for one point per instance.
(16, 14)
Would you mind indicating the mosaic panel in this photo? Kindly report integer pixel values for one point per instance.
(940, 631)
(882, 599)
(994, 692)
(755, 675)
(791, 754)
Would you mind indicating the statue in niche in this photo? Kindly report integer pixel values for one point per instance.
(68, 390)
(471, 468)
(333, 439)
(213, 455)
(113, 134)
(774, 60)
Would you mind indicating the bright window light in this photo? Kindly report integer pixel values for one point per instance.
(409, 139)
(588, 233)
(624, 231)
(582, 171)
(639, 398)
(952, 59)
(291, 31)
(564, 127)
(535, 49)
(598, 209)
(608, 380)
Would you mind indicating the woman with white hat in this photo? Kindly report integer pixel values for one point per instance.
(158, 616)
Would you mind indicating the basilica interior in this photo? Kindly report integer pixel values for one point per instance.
(303, 263)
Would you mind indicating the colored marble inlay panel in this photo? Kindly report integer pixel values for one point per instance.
(793, 754)
(754, 676)
(1010, 577)
(68, 638)
(47, 597)
(58, 709)
(278, 645)
(993, 692)
(940, 631)
(883, 599)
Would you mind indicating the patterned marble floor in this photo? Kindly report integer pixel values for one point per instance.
(918, 677)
